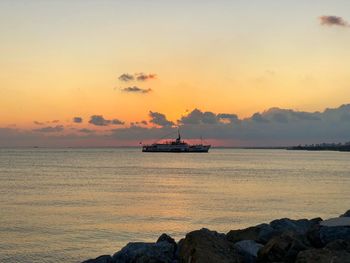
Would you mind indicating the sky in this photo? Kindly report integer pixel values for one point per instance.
(88, 73)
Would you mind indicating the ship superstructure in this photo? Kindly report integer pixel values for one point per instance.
(176, 146)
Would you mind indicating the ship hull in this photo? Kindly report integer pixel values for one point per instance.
(164, 149)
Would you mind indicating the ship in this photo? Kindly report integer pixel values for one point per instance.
(176, 146)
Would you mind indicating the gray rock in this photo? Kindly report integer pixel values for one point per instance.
(328, 234)
(313, 236)
(138, 252)
(100, 259)
(260, 233)
(166, 238)
(283, 248)
(323, 256)
(337, 221)
(346, 214)
(339, 245)
(205, 246)
(248, 249)
(300, 226)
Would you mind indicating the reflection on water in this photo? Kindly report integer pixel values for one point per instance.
(72, 204)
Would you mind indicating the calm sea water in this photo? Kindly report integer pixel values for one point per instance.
(67, 205)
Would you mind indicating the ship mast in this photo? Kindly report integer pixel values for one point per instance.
(178, 140)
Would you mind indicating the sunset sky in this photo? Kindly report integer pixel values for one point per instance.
(62, 60)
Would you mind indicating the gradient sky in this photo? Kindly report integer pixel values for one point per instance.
(61, 59)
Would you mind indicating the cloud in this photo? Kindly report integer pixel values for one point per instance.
(117, 122)
(144, 77)
(272, 127)
(232, 118)
(99, 120)
(159, 119)
(38, 123)
(57, 128)
(333, 21)
(136, 89)
(77, 120)
(126, 77)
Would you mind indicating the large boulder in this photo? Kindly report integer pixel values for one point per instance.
(283, 248)
(300, 226)
(324, 255)
(260, 233)
(205, 246)
(138, 252)
(248, 249)
(100, 259)
(329, 234)
(346, 214)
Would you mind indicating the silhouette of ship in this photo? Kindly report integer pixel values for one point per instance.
(176, 146)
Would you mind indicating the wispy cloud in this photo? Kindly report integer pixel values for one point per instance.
(135, 89)
(144, 77)
(333, 21)
(126, 77)
(57, 128)
(38, 123)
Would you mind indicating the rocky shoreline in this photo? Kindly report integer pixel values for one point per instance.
(282, 240)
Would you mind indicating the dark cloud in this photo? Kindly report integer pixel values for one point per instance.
(144, 77)
(333, 21)
(257, 117)
(232, 118)
(199, 117)
(57, 128)
(77, 119)
(99, 120)
(143, 122)
(136, 89)
(160, 119)
(117, 122)
(126, 77)
(55, 121)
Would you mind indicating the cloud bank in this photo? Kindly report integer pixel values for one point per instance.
(273, 127)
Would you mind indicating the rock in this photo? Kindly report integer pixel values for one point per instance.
(338, 221)
(138, 252)
(205, 246)
(166, 238)
(328, 234)
(260, 233)
(346, 214)
(313, 236)
(323, 256)
(339, 245)
(300, 226)
(283, 248)
(248, 249)
(100, 259)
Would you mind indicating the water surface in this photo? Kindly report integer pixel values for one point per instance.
(72, 204)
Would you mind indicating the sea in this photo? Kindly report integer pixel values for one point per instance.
(69, 205)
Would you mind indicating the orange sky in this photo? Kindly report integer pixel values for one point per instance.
(62, 59)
